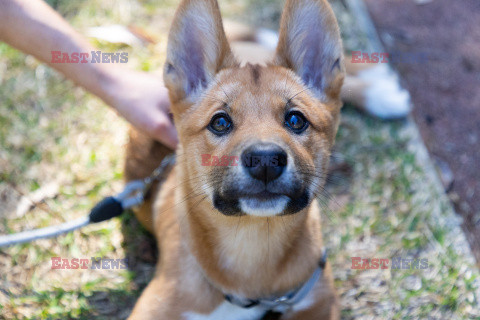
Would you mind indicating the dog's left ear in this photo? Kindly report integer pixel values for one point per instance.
(197, 50)
(310, 44)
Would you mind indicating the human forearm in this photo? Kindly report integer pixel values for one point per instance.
(36, 29)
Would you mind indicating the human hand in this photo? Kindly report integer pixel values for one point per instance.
(142, 99)
(35, 28)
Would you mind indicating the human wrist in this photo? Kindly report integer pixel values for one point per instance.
(109, 83)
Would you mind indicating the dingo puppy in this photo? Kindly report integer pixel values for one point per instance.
(242, 240)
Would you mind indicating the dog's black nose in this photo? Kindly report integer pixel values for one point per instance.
(264, 162)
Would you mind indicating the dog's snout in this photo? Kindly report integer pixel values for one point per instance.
(264, 162)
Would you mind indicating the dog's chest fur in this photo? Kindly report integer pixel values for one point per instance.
(227, 310)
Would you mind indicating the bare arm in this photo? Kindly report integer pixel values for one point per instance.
(36, 29)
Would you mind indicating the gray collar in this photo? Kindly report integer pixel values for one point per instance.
(287, 301)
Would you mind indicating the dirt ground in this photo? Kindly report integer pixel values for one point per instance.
(444, 88)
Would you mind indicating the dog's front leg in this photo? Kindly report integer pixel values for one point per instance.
(226, 310)
(321, 311)
(156, 302)
(167, 297)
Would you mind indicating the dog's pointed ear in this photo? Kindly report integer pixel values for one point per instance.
(310, 44)
(197, 49)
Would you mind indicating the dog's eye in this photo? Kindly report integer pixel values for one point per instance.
(296, 121)
(220, 124)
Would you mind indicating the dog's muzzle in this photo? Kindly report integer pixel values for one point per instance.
(264, 185)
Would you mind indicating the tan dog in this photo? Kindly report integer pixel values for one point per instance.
(250, 232)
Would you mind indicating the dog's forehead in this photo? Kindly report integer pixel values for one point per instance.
(257, 84)
(257, 78)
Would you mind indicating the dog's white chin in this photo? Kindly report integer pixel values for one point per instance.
(263, 208)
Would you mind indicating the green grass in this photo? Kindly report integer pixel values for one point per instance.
(396, 211)
(384, 206)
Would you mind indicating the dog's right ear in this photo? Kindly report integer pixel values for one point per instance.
(197, 50)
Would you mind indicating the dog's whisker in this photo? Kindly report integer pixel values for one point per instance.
(189, 196)
(295, 95)
(221, 87)
(187, 212)
(325, 209)
(215, 98)
(337, 181)
(284, 225)
(236, 229)
(268, 240)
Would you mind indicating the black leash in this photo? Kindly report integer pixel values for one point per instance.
(132, 195)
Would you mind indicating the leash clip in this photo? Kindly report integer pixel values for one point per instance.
(133, 194)
(135, 191)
